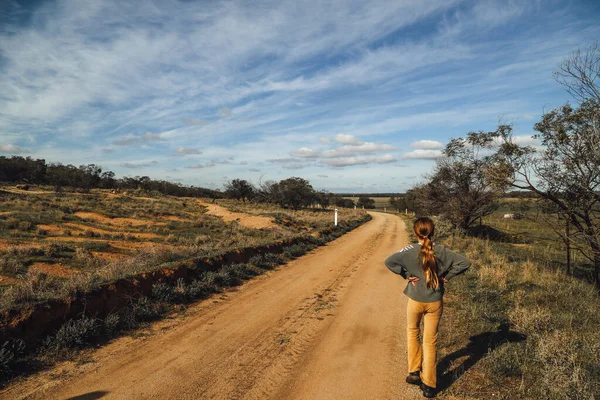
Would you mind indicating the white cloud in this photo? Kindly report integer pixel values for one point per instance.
(138, 164)
(343, 151)
(293, 166)
(324, 140)
(9, 148)
(200, 166)
(184, 150)
(194, 122)
(422, 154)
(305, 152)
(347, 139)
(523, 140)
(131, 140)
(282, 160)
(358, 149)
(426, 144)
(225, 112)
(346, 155)
(526, 140)
(360, 160)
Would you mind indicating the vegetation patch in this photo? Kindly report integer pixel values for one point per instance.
(199, 278)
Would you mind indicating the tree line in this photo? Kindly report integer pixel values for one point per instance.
(26, 170)
(562, 175)
(292, 193)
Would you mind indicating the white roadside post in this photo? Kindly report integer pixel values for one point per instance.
(335, 217)
(384, 209)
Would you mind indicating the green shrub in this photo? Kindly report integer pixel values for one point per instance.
(144, 310)
(163, 292)
(274, 259)
(266, 261)
(226, 278)
(198, 289)
(294, 251)
(75, 333)
(9, 354)
(111, 323)
(24, 225)
(10, 266)
(317, 241)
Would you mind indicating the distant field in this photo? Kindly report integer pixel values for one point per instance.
(64, 234)
(380, 202)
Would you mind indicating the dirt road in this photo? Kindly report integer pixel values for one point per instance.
(330, 325)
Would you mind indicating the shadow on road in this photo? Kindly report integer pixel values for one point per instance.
(476, 349)
(90, 396)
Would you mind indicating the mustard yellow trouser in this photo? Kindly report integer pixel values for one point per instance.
(423, 358)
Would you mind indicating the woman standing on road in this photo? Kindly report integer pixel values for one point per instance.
(427, 267)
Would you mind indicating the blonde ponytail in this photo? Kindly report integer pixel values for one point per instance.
(424, 229)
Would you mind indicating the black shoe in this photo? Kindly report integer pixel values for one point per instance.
(414, 378)
(428, 391)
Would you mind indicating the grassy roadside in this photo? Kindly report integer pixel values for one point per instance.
(516, 328)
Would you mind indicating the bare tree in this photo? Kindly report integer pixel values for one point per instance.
(580, 73)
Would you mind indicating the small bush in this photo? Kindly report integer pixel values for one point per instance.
(144, 310)
(226, 278)
(317, 241)
(274, 259)
(163, 292)
(75, 333)
(111, 323)
(266, 261)
(12, 223)
(25, 225)
(294, 251)
(25, 251)
(9, 353)
(10, 266)
(198, 290)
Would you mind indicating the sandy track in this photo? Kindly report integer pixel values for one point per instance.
(249, 221)
(329, 325)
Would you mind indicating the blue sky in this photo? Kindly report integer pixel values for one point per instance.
(351, 95)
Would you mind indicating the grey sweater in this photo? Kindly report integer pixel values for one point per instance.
(407, 263)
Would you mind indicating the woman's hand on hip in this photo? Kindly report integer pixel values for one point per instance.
(414, 280)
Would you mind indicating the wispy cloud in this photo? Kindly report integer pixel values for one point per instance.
(360, 160)
(131, 140)
(138, 164)
(199, 166)
(9, 148)
(185, 150)
(194, 122)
